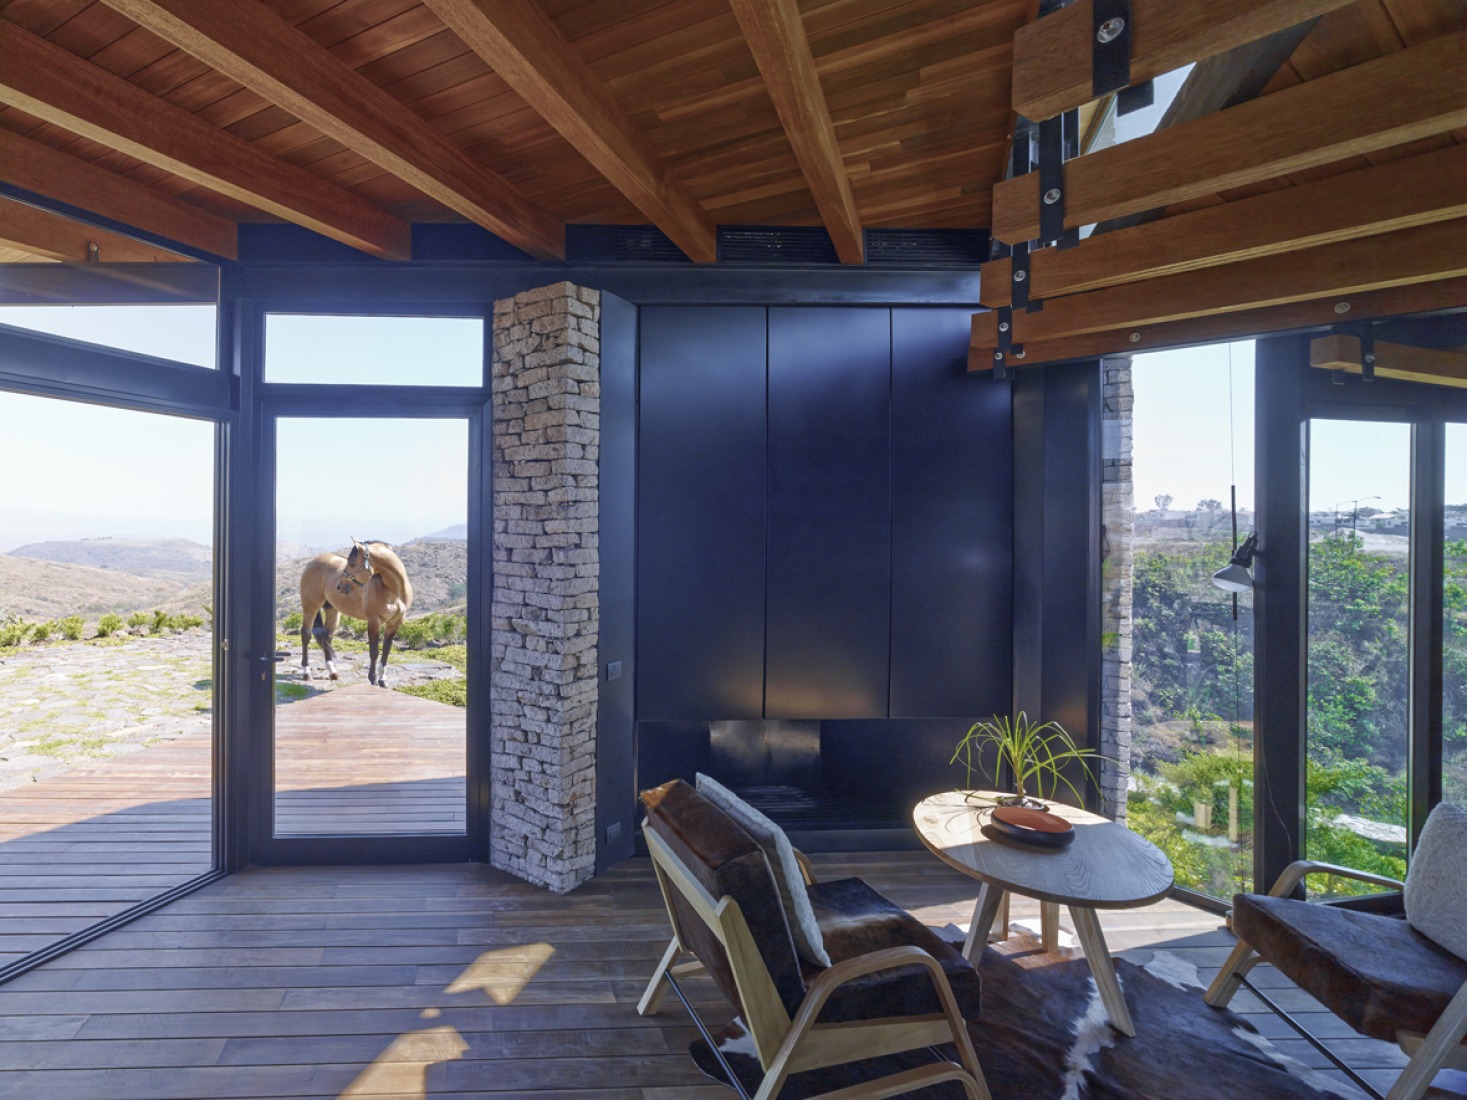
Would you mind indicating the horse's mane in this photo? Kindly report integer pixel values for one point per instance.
(389, 566)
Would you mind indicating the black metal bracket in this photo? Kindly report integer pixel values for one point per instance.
(1052, 179)
(1367, 352)
(1019, 276)
(1110, 47)
(1005, 328)
(1136, 97)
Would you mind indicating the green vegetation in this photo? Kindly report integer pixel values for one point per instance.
(13, 631)
(71, 628)
(41, 632)
(109, 625)
(1192, 701)
(138, 620)
(453, 692)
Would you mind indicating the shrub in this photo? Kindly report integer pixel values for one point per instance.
(138, 620)
(72, 628)
(42, 631)
(13, 632)
(159, 623)
(292, 623)
(108, 625)
(184, 622)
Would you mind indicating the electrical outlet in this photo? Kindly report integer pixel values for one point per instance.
(613, 832)
(613, 670)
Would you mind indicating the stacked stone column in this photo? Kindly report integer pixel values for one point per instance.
(546, 444)
(1118, 514)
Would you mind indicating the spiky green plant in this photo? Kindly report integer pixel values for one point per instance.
(1033, 753)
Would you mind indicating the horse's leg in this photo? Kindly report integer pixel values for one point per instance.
(332, 618)
(374, 633)
(386, 649)
(309, 616)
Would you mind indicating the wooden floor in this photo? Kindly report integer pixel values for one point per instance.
(361, 760)
(79, 847)
(449, 981)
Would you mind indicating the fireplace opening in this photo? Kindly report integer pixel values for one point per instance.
(823, 780)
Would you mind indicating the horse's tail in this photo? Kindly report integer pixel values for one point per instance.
(319, 626)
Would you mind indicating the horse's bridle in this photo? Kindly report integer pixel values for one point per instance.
(354, 576)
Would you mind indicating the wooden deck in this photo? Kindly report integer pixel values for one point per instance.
(449, 981)
(81, 846)
(361, 760)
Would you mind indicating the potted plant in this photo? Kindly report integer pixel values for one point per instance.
(1035, 755)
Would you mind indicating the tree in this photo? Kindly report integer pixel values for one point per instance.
(1209, 505)
(1163, 501)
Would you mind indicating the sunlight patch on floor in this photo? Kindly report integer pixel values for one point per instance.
(503, 972)
(402, 1069)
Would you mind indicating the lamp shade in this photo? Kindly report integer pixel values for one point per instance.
(1233, 578)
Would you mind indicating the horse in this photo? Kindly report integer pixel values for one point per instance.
(370, 583)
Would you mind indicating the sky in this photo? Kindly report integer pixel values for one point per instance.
(93, 471)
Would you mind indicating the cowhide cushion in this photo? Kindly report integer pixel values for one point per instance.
(1376, 973)
(856, 920)
(787, 876)
(726, 861)
(1436, 884)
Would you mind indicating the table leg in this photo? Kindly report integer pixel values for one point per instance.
(1001, 929)
(1049, 926)
(1087, 929)
(984, 911)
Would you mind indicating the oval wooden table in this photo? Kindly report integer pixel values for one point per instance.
(1106, 867)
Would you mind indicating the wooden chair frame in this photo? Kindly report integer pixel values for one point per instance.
(786, 1046)
(1440, 1048)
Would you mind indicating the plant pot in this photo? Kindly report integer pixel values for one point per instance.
(1026, 802)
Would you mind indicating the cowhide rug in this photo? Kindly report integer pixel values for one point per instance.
(1043, 1036)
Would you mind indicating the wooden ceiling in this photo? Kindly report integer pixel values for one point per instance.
(359, 117)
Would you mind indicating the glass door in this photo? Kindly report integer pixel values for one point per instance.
(1359, 569)
(107, 663)
(371, 605)
(1454, 626)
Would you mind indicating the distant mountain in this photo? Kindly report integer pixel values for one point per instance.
(139, 557)
(457, 531)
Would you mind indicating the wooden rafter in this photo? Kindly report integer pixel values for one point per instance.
(1405, 362)
(1417, 298)
(776, 37)
(518, 40)
(56, 175)
(249, 43)
(1401, 97)
(42, 233)
(1417, 255)
(1396, 195)
(57, 86)
(1052, 57)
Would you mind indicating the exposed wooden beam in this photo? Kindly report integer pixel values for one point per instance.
(67, 179)
(521, 44)
(1405, 362)
(1052, 57)
(776, 37)
(1417, 255)
(1217, 83)
(57, 86)
(1397, 195)
(1401, 97)
(246, 41)
(1417, 298)
(54, 237)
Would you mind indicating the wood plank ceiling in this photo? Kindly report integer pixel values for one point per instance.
(683, 113)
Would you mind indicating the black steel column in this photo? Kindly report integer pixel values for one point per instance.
(1428, 493)
(1280, 607)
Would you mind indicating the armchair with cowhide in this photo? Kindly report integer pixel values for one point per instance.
(822, 974)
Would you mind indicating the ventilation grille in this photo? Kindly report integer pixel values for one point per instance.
(784, 244)
(927, 247)
(646, 244)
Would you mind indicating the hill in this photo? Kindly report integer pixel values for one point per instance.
(37, 589)
(139, 557)
(437, 568)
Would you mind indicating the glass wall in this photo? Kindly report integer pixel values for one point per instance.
(1358, 732)
(106, 663)
(1191, 688)
(1454, 657)
(182, 332)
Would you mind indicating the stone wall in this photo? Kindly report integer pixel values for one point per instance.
(546, 440)
(1118, 517)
